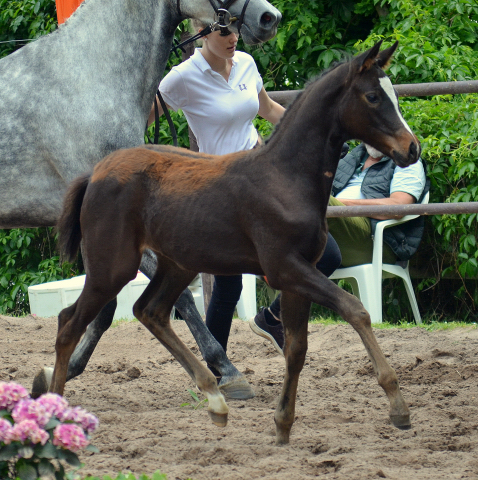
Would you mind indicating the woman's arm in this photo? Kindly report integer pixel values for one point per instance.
(268, 109)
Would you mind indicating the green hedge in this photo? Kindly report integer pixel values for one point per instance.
(28, 257)
(438, 42)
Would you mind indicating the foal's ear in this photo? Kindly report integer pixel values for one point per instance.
(384, 57)
(367, 59)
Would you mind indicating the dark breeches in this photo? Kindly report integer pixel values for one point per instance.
(328, 263)
(225, 295)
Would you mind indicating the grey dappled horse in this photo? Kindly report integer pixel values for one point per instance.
(82, 92)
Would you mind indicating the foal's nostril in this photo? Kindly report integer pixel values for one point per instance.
(412, 152)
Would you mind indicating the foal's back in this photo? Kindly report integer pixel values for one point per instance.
(182, 204)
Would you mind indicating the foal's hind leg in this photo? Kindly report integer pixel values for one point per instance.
(73, 321)
(153, 310)
(294, 315)
(233, 383)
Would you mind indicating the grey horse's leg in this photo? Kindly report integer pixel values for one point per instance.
(94, 332)
(82, 353)
(233, 383)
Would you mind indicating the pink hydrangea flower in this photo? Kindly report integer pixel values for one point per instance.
(6, 431)
(54, 404)
(28, 409)
(70, 436)
(10, 394)
(78, 415)
(29, 430)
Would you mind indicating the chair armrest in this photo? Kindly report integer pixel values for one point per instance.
(382, 225)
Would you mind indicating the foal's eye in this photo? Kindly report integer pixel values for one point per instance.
(372, 98)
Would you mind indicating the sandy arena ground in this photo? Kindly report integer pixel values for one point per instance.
(341, 431)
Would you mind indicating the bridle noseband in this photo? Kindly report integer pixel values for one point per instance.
(223, 18)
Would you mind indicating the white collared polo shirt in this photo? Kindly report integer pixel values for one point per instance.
(219, 113)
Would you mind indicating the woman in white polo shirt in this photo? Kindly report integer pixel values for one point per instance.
(220, 92)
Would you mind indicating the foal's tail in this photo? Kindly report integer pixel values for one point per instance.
(68, 225)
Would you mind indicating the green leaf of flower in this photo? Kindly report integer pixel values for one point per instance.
(27, 472)
(52, 423)
(92, 448)
(46, 451)
(46, 468)
(8, 451)
(69, 457)
(157, 475)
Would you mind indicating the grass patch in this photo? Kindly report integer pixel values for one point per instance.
(428, 324)
(129, 476)
(120, 321)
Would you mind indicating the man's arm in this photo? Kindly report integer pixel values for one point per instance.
(396, 198)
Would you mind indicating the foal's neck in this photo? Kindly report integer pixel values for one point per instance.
(308, 139)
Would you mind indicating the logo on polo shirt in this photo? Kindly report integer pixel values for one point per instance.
(242, 87)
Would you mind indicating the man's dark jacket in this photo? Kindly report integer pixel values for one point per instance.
(403, 239)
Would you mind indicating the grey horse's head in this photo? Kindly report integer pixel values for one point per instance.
(257, 20)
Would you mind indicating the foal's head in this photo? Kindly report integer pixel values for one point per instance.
(369, 109)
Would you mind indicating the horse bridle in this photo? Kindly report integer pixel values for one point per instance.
(223, 18)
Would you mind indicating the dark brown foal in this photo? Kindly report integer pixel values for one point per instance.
(260, 212)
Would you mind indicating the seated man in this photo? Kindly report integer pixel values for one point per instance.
(364, 177)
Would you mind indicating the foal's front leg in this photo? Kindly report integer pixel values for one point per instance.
(304, 280)
(295, 312)
(352, 310)
(153, 310)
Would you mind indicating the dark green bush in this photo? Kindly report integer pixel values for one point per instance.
(438, 42)
(24, 20)
(28, 257)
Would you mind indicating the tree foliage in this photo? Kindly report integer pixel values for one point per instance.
(28, 257)
(24, 20)
(438, 39)
(438, 42)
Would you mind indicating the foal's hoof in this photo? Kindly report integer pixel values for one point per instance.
(401, 421)
(219, 419)
(236, 387)
(42, 381)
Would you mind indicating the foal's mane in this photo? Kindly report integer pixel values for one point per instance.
(310, 83)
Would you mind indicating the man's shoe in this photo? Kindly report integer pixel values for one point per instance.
(275, 334)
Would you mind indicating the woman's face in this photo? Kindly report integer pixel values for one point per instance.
(222, 47)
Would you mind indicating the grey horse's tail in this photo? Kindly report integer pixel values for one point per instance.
(68, 225)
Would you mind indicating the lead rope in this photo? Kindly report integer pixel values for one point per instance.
(174, 49)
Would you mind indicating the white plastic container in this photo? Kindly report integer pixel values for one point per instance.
(48, 299)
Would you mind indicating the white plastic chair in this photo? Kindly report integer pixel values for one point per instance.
(246, 307)
(366, 280)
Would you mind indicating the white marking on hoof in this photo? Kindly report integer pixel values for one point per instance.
(216, 403)
(42, 382)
